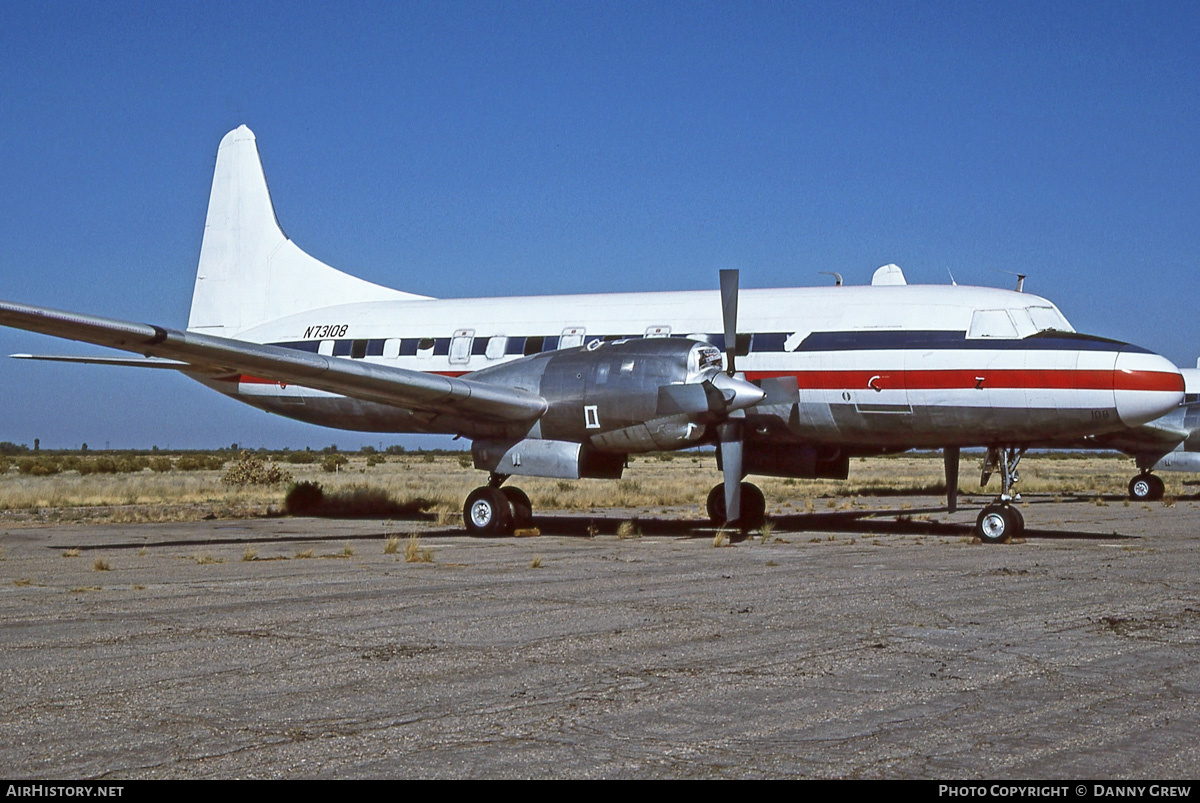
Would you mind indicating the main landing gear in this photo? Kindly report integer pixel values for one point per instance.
(754, 506)
(1001, 521)
(492, 510)
(1146, 487)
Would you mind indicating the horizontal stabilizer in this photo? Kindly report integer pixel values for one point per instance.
(132, 362)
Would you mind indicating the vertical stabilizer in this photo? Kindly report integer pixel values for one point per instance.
(250, 272)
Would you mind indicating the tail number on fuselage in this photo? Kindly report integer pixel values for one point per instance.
(329, 330)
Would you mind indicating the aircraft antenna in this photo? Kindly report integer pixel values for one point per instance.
(1020, 278)
(837, 277)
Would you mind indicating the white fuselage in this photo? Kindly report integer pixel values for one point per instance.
(876, 366)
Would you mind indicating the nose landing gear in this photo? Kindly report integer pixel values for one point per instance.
(1001, 521)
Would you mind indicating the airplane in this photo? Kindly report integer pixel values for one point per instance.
(570, 386)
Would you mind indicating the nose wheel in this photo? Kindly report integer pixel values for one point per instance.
(999, 522)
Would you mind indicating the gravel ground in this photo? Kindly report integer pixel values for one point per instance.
(874, 642)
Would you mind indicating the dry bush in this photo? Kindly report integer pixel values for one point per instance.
(101, 565)
(392, 545)
(194, 462)
(250, 469)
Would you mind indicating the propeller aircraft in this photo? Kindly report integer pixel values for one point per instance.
(786, 382)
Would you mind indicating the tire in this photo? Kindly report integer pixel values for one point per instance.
(999, 523)
(1146, 488)
(522, 508)
(715, 504)
(754, 506)
(487, 512)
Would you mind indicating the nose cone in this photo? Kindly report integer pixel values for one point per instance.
(1145, 387)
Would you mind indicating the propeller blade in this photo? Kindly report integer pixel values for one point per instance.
(730, 432)
(950, 456)
(729, 305)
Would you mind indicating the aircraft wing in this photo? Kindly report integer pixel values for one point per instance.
(397, 387)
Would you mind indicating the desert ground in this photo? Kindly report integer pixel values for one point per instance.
(163, 625)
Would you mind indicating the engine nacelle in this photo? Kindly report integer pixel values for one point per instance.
(624, 396)
(801, 462)
(539, 458)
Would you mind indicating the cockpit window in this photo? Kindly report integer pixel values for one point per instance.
(1048, 318)
(992, 323)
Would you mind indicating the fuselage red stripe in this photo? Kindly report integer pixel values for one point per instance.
(962, 379)
(949, 379)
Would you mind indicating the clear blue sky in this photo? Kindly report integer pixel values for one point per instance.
(517, 148)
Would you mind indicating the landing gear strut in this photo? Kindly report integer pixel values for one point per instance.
(1000, 521)
(1146, 487)
(492, 510)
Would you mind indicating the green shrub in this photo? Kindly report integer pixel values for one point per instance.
(37, 466)
(333, 462)
(200, 462)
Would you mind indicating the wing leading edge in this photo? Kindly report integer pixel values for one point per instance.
(389, 385)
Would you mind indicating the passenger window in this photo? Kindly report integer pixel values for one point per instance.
(425, 348)
(533, 345)
(495, 347)
(326, 348)
(358, 349)
(460, 346)
(391, 348)
(572, 337)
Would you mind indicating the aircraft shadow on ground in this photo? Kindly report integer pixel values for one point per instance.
(866, 523)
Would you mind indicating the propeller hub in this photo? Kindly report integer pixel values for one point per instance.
(739, 393)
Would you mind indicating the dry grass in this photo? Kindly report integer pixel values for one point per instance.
(440, 483)
(392, 545)
(767, 529)
(204, 559)
(250, 554)
(101, 565)
(536, 563)
(415, 553)
(70, 553)
(347, 551)
(627, 530)
(24, 581)
(306, 554)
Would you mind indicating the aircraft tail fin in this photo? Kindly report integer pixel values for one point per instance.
(250, 272)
